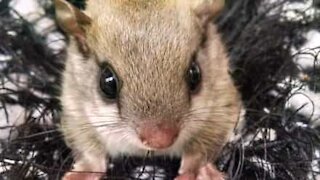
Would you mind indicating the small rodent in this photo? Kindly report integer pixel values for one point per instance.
(145, 75)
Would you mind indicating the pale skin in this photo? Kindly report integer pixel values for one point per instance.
(150, 46)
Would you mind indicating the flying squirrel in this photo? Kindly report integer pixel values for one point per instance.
(146, 75)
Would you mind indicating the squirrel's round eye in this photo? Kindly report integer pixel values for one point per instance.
(109, 83)
(193, 76)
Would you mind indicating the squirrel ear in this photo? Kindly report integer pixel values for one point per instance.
(71, 19)
(207, 9)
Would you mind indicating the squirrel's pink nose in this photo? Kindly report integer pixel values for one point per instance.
(158, 136)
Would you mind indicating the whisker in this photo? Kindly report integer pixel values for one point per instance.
(37, 134)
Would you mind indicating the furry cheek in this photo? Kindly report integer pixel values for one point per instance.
(115, 133)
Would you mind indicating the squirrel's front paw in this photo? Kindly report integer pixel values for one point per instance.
(207, 172)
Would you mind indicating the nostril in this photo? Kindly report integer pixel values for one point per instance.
(158, 137)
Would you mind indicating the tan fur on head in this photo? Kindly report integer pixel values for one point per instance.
(73, 20)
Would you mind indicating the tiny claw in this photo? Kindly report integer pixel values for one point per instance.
(186, 176)
(82, 176)
(209, 172)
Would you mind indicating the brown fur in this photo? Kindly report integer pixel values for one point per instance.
(150, 44)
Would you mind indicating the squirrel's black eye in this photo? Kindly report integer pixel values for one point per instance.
(109, 82)
(193, 76)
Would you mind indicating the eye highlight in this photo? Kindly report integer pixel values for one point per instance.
(193, 76)
(109, 82)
